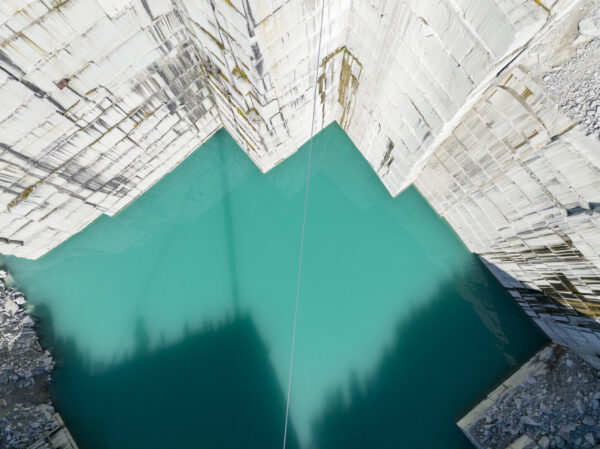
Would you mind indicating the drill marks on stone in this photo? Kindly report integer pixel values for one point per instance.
(430, 74)
(387, 159)
(105, 144)
(247, 105)
(101, 150)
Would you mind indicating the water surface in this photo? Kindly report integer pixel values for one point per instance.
(172, 321)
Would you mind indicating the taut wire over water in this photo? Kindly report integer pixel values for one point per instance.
(312, 130)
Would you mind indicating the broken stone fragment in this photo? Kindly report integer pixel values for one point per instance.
(47, 410)
(569, 363)
(529, 421)
(589, 437)
(544, 408)
(588, 420)
(11, 307)
(48, 363)
(588, 28)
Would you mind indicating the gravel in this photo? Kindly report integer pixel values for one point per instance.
(545, 407)
(26, 412)
(566, 66)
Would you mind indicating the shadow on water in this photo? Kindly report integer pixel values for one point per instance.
(436, 369)
(218, 389)
(215, 389)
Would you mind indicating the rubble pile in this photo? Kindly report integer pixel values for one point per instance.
(556, 404)
(26, 412)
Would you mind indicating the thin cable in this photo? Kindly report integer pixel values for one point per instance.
(312, 129)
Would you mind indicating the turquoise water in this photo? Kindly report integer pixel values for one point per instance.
(172, 321)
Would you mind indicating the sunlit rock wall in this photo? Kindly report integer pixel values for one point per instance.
(519, 180)
(100, 98)
(97, 101)
(426, 61)
(261, 59)
(477, 102)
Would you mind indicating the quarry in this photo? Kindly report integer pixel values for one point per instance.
(485, 111)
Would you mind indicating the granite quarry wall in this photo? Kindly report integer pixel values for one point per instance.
(490, 107)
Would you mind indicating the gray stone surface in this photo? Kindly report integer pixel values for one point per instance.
(553, 400)
(26, 412)
(573, 81)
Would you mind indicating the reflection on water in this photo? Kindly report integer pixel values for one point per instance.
(174, 318)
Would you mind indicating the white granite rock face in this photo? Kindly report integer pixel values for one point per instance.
(98, 101)
(100, 98)
(519, 181)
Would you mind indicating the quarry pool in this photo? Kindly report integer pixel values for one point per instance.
(172, 321)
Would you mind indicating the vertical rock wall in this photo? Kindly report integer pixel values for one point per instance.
(519, 181)
(99, 101)
(423, 66)
(513, 180)
(261, 60)
(102, 97)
